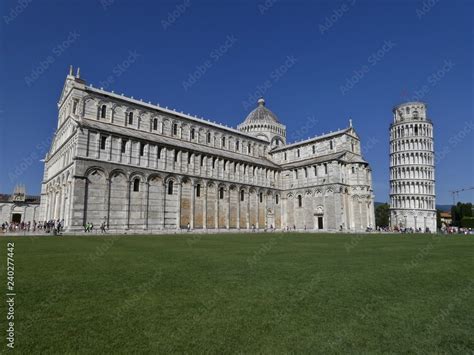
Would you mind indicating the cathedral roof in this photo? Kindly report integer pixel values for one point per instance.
(261, 114)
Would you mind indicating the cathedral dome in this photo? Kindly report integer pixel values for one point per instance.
(261, 115)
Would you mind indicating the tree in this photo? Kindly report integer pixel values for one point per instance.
(382, 215)
(459, 211)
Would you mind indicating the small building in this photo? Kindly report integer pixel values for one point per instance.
(446, 218)
(19, 207)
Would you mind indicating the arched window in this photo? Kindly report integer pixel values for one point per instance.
(237, 145)
(103, 111)
(155, 124)
(314, 149)
(223, 142)
(170, 187)
(208, 137)
(189, 157)
(136, 184)
(242, 194)
(325, 168)
(261, 197)
(130, 118)
(298, 153)
(175, 129)
(192, 133)
(300, 201)
(198, 190)
(331, 145)
(276, 199)
(221, 193)
(202, 160)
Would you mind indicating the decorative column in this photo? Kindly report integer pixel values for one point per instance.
(258, 210)
(216, 215)
(107, 201)
(178, 217)
(248, 210)
(164, 204)
(193, 194)
(147, 203)
(238, 208)
(228, 209)
(128, 198)
(265, 210)
(204, 212)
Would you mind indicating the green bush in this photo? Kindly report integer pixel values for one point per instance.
(467, 222)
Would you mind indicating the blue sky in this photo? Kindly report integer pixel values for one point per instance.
(317, 63)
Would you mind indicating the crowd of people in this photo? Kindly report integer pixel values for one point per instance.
(56, 227)
(51, 226)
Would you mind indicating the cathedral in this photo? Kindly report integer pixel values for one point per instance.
(140, 167)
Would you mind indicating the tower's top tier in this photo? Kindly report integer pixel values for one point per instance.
(409, 111)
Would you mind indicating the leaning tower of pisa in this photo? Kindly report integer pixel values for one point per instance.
(412, 176)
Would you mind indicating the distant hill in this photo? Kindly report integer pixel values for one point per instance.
(438, 207)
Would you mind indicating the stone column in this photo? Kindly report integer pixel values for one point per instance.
(248, 210)
(204, 212)
(193, 194)
(238, 208)
(265, 209)
(110, 147)
(228, 209)
(128, 197)
(107, 201)
(258, 210)
(164, 204)
(178, 217)
(147, 203)
(216, 215)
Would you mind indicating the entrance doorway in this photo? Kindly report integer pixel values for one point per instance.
(320, 222)
(16, 218)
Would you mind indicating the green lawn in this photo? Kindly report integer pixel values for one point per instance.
(245, 293)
